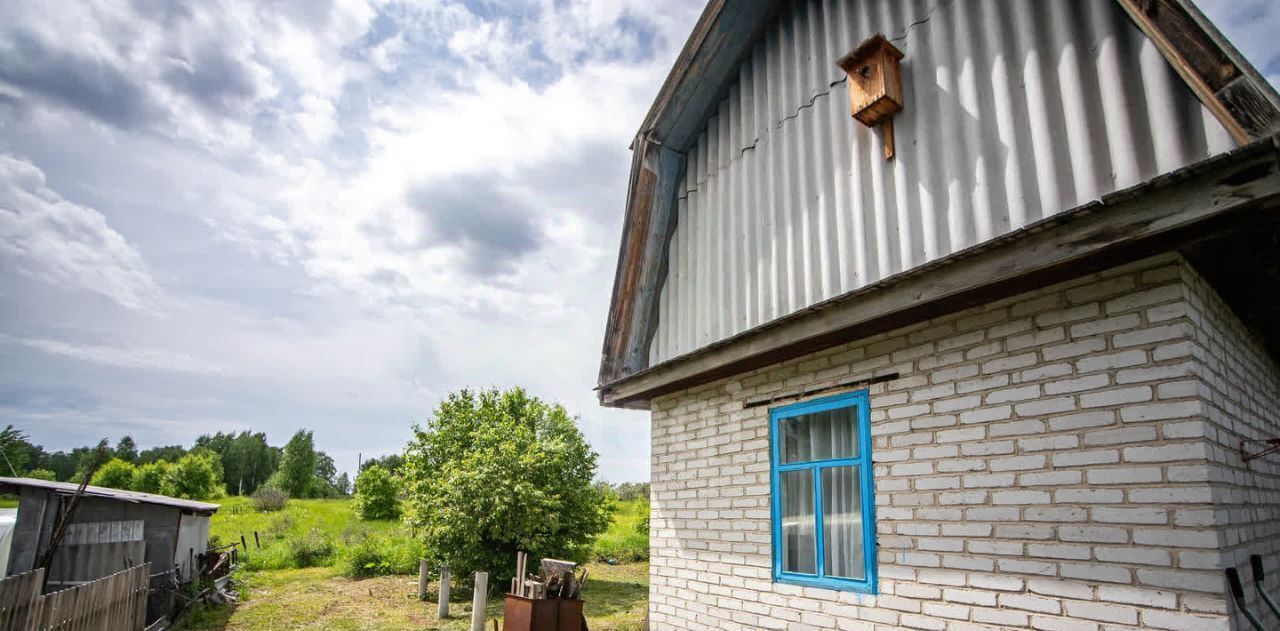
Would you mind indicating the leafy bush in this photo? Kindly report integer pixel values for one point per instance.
(194, 476)
(149, 478)
(496, 472)
(381, 556)
(114, 474)
(311, 550)
(42, 474)
(269, 499)
(377, 494)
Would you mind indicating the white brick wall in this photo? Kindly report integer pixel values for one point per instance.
(1040, 463)
(1239, 387)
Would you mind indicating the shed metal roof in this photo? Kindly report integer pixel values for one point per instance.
(67, 488)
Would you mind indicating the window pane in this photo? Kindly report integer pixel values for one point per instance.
(819, 436)
(842, 523)
(799, 547)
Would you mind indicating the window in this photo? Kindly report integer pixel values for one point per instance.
(823, 507)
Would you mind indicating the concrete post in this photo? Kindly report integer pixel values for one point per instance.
(479, 601)
(443, 611)
(422, 579)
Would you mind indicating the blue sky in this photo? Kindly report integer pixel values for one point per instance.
(247, 215)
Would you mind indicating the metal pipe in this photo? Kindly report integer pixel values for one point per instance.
(1258, 576)
(1237, 592)
(479, 601)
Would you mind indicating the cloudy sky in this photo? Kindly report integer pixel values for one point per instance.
(326, 214)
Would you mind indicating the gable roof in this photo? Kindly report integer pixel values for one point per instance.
(725, 34)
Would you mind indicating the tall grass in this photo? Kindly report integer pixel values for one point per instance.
(307, 533)
(627, 538)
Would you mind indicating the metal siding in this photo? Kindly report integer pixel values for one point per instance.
(1014, 111)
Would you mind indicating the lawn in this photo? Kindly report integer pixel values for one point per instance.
(280, 592)
(318, 598)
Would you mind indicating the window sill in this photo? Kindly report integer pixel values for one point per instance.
(837, 584)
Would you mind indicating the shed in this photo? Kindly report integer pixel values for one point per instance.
(111, 530)
(1012, 370)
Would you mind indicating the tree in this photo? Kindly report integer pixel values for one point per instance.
(126, 450)
(325, 484)
(298, 464)
(114, 474)
(390, 462)
(377, 494)
(14, 451)
(42, 474)
(169, 453)
(194, 476)
(343, 485)
(150, 477)
(247, 459)
(496, 472)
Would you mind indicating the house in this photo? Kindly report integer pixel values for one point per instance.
(1003, 358)
(109, 531)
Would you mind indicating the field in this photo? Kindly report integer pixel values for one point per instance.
(291, 585)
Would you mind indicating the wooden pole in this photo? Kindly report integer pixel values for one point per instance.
(442, 610)
(479, 601)
(243, 544)
(422, 579)
(256, 541)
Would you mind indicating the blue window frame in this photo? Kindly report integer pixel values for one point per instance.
(822, 502)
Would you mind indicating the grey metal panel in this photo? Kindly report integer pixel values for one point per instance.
(1014, 111)
(193, 540)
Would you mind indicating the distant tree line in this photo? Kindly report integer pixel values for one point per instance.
(218, 464)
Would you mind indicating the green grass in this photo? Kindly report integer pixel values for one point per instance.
(616, 598)
(622, 542)
(306, 533)
(279, 593)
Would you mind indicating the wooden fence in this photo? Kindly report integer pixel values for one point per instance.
(113, 603)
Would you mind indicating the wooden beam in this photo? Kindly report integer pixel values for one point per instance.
(653, 262)
(1208, 68)
(1070, 244)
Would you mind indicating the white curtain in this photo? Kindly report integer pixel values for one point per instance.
(799, 545)
(816, 437)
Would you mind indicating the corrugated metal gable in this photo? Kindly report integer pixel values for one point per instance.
(1014, 111)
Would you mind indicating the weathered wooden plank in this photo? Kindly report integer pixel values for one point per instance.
(1058, 247)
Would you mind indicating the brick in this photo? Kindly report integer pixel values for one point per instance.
(1165, 453)
(1108, 398)
(1020, 393)
(1152, 335)
(1017, 463)
(1028, 602)
(1111, 361)
(1125, 475)
(1119, 515)
(1160, 411)
(1119, 436)
(1088, 382)
(1093, 418)
(1137, 596)
(1074, 349)
(1103, 612)
(1079, 458)
(985, 415)
(1041, 407)
(1177, 621)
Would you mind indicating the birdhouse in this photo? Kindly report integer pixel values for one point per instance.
(875, 85)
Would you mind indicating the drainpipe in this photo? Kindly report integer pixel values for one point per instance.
(1237, 592)
(1256, 561)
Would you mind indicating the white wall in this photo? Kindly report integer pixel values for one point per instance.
(1041, 462)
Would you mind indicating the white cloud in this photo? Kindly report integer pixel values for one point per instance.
(321, 294)
(65, 243)
(144, 358)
